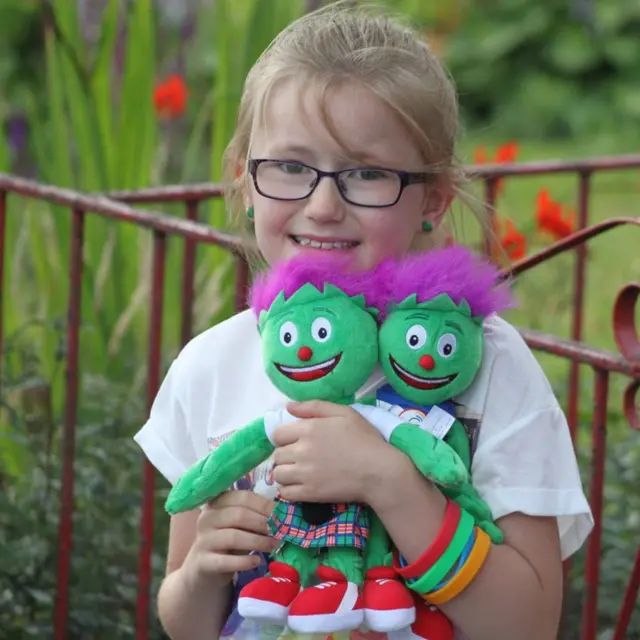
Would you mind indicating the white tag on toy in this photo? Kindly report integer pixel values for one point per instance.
(438, 422)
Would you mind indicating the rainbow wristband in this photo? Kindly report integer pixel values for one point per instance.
(466, 575)
(438, 572)
(461, 560)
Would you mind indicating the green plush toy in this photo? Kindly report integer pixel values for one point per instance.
(431, 344)
(319, 340)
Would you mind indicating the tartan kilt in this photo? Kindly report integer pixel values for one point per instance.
(349, 526)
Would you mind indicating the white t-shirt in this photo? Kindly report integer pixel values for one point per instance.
(523, 456)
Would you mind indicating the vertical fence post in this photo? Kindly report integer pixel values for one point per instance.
(188, 277)
(490, 197)
(596, 498)
(65, 524)
(153, 383)
(578, 300)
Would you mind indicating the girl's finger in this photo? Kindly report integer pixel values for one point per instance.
(236, 540)
(287, 474)
(222, 563)
(237, 518)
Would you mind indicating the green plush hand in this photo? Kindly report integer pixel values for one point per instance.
(469, 499)
(216, 472)
(435, 459)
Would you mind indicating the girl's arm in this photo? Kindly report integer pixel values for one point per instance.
(188, 608)
(517, 593)
(206, 548)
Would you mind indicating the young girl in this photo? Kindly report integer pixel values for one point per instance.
(345, 143)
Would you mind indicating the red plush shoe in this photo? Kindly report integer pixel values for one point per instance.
(331, 606)
(267, 599)
(430, 624)
(388, 604)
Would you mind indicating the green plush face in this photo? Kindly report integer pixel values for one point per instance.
(319, 345)
(430, 352)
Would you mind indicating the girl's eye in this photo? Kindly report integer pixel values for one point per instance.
(292, 168)
(288, 334)
(368, 174)
(416, 337)
(447, 345)
(321, 330)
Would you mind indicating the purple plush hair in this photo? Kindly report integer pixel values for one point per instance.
(291, 275)
(456, 271)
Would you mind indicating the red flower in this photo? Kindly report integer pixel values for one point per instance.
(505, 154)
(170, 97)
(512, 241)
(551, 219)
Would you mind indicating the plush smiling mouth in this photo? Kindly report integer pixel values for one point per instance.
(322, 244)
(418, 382)
(310, 372)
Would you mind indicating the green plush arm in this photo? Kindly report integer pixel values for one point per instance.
(217, 471)
(435, 459)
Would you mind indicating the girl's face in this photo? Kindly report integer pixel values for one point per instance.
(325, 221)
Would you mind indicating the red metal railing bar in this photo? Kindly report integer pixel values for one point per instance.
(3, 225)
(598, 449)
(188, 277)
(561, 246)
(578, 300)
(629, 602)
(65, 523)
(153, 383)
(580, 352)
(624, 322)
(603, 163)
(170, 193)
(169, 225)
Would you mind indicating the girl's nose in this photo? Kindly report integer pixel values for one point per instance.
(325, 204)
(427, 362)
(304, 353)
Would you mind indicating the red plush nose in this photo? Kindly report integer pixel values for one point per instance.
(304, 353)
(427, 362)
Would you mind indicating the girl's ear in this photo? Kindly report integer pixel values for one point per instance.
(437, 202)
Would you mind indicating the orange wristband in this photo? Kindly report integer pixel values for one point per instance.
(467, 573)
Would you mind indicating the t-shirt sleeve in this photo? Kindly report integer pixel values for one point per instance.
(525, 460)
(165, 438)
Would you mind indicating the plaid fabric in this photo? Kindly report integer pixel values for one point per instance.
(349, 526)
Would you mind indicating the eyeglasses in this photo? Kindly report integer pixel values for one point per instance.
(360, 186)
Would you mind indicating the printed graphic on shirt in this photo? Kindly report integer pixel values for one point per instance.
(259, 480)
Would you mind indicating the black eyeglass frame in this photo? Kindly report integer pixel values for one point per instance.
(406, 178)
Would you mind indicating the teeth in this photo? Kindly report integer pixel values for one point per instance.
(313, 367)
(315, 244)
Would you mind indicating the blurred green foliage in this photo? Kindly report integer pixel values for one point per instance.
(532, 68)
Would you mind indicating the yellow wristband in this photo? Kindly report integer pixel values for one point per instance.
(467, 573)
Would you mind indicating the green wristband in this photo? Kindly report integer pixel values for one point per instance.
(444, 564)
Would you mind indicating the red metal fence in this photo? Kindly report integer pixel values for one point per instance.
(117, 207)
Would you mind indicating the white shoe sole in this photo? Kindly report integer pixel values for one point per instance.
(392, 620)
(326, 623)
(262, 611)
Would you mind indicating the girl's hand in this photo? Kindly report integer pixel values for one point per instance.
(331, 455)
(227, 530)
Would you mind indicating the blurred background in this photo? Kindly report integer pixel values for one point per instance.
(100, 95)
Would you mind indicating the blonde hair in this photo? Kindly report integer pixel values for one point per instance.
(344, 43)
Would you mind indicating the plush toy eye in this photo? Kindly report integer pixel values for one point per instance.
(416, 336)
(447, 345)
(288, 334)
(321, 329)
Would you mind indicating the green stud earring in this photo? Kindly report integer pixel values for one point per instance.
(427, 226)
(250, 213)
